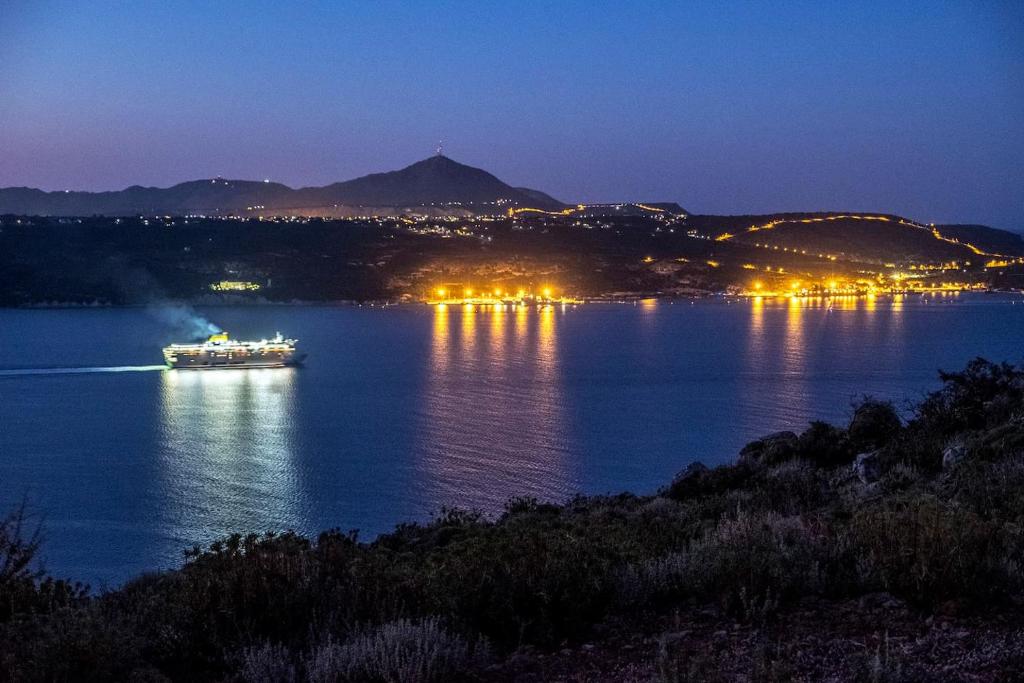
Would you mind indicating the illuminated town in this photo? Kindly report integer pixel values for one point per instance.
(235, 286)
(493, 253)
(497, 296)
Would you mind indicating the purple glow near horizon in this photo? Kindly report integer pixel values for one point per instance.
(739, 108)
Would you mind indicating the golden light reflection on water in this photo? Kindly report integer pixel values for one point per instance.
(756, 336)
(439, 337)
(547, 348)
(497, 330)
(758, 359)
(795, 356)
(481, 441)
(807, 331)
(468, 320)
(227, 451)
(522, 320)
(845, 303)
(894, 326)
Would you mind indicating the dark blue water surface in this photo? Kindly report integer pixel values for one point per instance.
(400, 411)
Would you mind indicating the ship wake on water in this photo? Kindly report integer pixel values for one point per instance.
(27, 372)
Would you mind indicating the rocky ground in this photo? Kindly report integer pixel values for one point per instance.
(876, 638)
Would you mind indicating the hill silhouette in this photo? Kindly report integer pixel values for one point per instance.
(437, 180)
(434, 181)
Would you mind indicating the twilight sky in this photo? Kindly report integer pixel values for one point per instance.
(911, 108)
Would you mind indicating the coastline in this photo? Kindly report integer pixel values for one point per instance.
(207, 302)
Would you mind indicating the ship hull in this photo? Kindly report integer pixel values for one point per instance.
(246, 366)
(216, 361)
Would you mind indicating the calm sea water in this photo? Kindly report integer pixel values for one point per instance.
(403, 410)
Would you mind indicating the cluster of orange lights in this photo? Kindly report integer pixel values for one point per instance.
(899, 285)
(568, 211)
(497, 295)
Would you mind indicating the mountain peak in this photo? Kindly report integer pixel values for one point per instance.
(434, 180)
(439, 162)
(438, 159)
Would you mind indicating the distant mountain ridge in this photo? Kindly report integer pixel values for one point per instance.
(441, 186)
(434, 181)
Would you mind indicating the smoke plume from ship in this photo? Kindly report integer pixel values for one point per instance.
(184, 319)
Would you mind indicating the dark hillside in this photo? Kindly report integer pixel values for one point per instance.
(607, 253)
(871, 241)
(986, 238)
(877, 238)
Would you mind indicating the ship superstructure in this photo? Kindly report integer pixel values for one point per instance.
(220, 352)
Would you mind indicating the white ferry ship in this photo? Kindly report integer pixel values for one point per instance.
(220, 353)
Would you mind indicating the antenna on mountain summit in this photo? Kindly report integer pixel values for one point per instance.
(440, 148)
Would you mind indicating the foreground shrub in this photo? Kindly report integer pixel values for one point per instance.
(874, 424)
(825, 445)
(395, 652)
(74, 644)
(748, 563)
(925, 550)
(526, 581)
(980, 408)
(991, 489)
(900, 477)
(771, 449)
(794, 487)
(697, 481)
(268, 663)
(243, 590)
(981, 396)
(25, 589)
